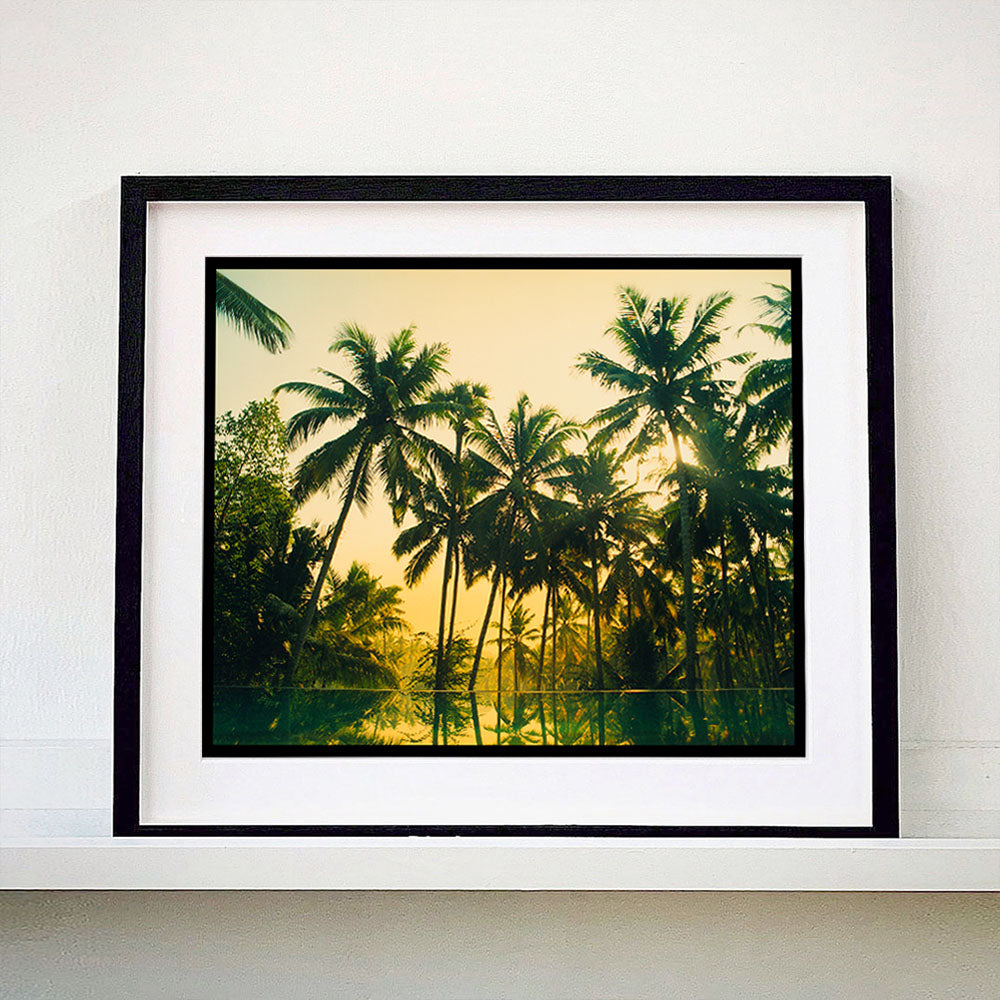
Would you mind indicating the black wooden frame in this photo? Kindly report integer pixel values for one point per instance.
(873, 192)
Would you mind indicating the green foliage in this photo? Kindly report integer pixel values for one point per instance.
(259, 564)
(250, 316)
(384, 403)
(767, 385)
(346, 647)
(263, 568)
(517, 644)
(458, 660)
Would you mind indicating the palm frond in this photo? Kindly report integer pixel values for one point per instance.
(250, 316)
(320, 467)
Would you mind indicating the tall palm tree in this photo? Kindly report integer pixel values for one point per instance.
(565, 574)
(385, 403)
(666, 380)
(736, 499)
(532, 556)
(518, 457)
(607, 513)
(438, 503)
(250, 316)
(462, 404)
(768, 383)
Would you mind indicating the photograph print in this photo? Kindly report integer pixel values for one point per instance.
(503, 506)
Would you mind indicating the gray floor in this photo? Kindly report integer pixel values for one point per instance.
(438, 945)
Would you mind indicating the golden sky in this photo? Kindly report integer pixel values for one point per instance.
(515, 330)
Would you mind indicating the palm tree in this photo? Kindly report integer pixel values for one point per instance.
(250, 316)
(462, 403)
(667, 381)
(606, 513)
(439, 507)
(768, 383)
(653, 578)
(568, 635)
(357, 612)
(517, 457)
(737, 499)
(520, 635)
(361, 606)
(570, 580)
(385, 403)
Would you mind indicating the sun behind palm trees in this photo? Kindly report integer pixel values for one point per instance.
(667, 381)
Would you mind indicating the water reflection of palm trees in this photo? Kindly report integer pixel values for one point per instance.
(297, 717)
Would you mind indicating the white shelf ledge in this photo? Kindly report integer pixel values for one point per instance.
(499, 863)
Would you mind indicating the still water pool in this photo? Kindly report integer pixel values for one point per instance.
(337, 717)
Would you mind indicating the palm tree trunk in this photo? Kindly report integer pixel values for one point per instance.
(597, 616)
(310, 612)
(727, 673)
(454, 601)
(503, 602)
(555, 622)
(439, 660)
(474, 705)
(485, 628)
(768, 610)
(545, 628)
(690, 640)
(448, 554)
(766, 639)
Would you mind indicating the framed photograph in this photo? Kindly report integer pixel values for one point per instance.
(493, 506)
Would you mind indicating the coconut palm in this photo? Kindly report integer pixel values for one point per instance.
(462, 404)
(439, 504)
(607, 513)
(555, 566)
(667, 381)
(517, 457)
(520, 635)
(569, 634)
(384, 404)
(357, 612)
(768, 383)
(361, 606)
(250, 316)
(737, 500)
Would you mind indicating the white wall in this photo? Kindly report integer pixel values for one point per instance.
(94, 90)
